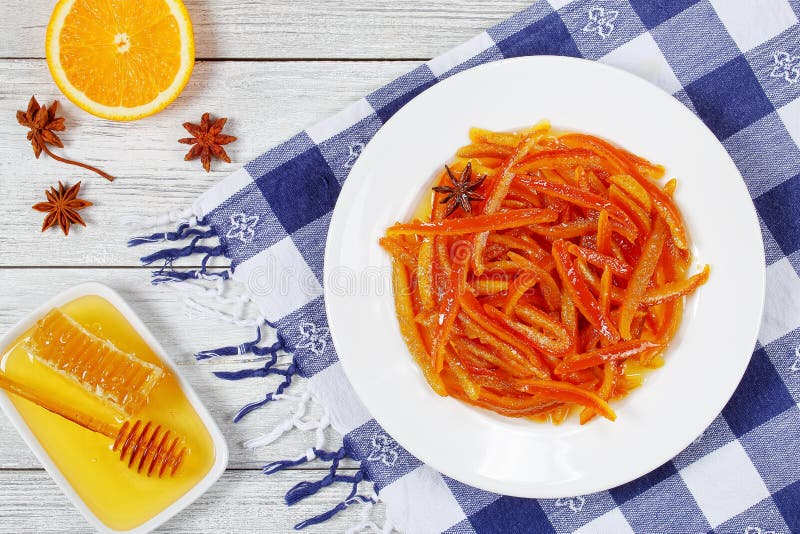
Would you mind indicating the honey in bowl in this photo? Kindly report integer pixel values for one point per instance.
(121, 496)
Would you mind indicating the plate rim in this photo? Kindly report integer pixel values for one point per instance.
(498, 486)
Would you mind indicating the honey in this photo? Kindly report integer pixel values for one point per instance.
(119, 378)
(119, 496)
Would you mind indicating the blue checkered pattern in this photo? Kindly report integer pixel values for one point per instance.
(736, 64)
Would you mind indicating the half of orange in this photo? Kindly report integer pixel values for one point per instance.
(121, 59)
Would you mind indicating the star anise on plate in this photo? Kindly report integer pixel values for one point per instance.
(43, 124)
(462, 193)
(62, 207)
(207, 141)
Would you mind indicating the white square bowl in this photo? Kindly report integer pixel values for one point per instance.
(220, 447)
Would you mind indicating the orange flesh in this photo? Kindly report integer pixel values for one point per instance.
(124, 57)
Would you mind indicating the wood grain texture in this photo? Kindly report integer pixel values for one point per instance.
(264, 68)
(265, 103)
(241, 501)
(314, 29)
(181, 336)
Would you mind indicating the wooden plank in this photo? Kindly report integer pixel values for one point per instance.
(265, 102)
(181, 337)
(310, 29)
(241, 501)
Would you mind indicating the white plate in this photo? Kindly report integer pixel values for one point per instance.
(220, 446)
(706, 360)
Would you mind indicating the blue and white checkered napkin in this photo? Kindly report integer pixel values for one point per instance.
(736, 64)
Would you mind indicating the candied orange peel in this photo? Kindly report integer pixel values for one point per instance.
(562, 278)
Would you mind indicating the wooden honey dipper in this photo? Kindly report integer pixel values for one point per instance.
(143, 445)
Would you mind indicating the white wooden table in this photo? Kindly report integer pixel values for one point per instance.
(273, 67)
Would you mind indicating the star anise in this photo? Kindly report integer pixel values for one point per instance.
(207, 141)
(43, 124)
(462, 193)
(62, 207)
